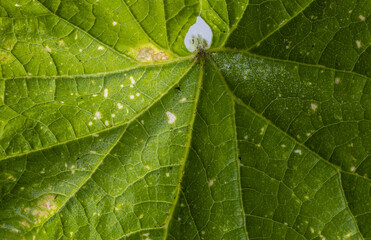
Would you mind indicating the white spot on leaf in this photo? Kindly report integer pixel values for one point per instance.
(359, 44)
(132, 80)
(171, 117)
(314, 106)
(298, 151)
(211, 183)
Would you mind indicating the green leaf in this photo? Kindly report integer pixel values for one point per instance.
(111, 129)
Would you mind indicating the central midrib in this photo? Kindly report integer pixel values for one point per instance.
(188, 146)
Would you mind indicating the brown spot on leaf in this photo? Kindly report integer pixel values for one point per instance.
(39, 213)
(147, 54)
(25, 223)
(45, 206)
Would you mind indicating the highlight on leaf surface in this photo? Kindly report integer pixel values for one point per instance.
(110, 129)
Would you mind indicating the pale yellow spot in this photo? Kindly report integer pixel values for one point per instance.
(262, 130)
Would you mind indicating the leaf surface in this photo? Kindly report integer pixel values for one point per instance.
(110, 129)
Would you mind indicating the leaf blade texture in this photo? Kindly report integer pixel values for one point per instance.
(111, 129)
